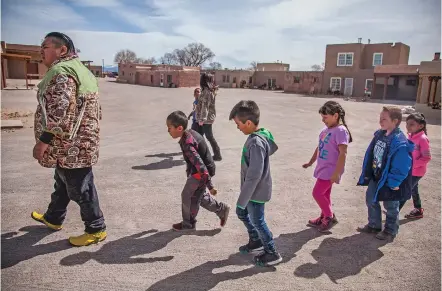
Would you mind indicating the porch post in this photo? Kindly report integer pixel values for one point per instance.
(436, 79)
(373, 87)
(385, 87)
(430, 80)
(26, 73)
(419, 90)
(3, 74)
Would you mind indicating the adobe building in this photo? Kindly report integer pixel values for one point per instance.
(349, 68)
(158, 75)
(303, 82)
(270, 75)
(232, 78)
(15, 68)
(398, 82)
(429, 90)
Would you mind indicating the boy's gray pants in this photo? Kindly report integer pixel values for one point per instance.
(194, 194)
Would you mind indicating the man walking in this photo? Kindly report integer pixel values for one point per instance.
(67, 134)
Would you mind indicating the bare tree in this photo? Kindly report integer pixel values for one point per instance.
(215, 66)
(169, 59)
(253, 66)
(193, 55)
(318, 67)
(125, 56)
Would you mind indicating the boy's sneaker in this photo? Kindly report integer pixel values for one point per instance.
(251, 247)
(223, 218)
(40, 218)
(267, 259)
(88, 239)
(368, 229)
(383, 235)
(415, 213)
(181, 227)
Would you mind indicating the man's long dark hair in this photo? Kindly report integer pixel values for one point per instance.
(63, 39)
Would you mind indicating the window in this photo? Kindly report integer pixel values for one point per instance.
(151, 78)
(234, 80)
(335, 83)
(345, 59)
(296, 80)
(224, 78)
(250, 80)
(411, 82)
(123, 73)
(315, 79)
(377, 59)
(169, 78)
(369, 85)
(228, 78)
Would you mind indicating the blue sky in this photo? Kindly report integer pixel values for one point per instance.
(238, 32)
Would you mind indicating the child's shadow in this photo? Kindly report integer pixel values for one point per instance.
(167, 163)
(17, 248)
(340, 258)
(123, 250)
(202, 277)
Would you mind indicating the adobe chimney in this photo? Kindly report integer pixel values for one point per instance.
(369, 41)
(436, 56)
(360, 40)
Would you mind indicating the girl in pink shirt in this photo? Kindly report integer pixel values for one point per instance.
(330, 156)
(417, 133)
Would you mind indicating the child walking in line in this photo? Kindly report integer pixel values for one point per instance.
(195, 126)
(200, 169)
(330, 155)
(417, 133)
(387, 173)
(256, 183)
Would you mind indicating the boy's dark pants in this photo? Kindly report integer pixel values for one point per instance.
(414, 194)
(206, 130)
(77, 185)
(253, 218)
(194, 194)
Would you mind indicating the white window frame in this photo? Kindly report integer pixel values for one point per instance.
(340, 82)
(345, 55)
(382, 58)
(366, 82)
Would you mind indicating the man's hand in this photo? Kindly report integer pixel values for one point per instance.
(395, 188)
(213, 191)
(305, 166)
(201, 123)
(334, 178)
(39, 150)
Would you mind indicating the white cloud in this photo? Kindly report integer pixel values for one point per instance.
(237, 31)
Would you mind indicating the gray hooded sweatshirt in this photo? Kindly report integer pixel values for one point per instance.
(256, 181)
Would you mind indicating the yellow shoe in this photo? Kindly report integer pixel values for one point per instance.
(40, 218)
(87, 239)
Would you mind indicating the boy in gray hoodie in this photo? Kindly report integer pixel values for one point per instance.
(256, 182)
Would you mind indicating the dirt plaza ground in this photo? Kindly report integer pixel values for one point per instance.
(139, 178)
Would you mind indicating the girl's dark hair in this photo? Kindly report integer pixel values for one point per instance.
(420, 119)
(62, 39)
(206, 81)
(331, 108)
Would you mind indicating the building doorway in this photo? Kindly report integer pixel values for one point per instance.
(348, 87)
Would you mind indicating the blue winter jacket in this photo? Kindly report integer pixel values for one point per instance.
(396, 171)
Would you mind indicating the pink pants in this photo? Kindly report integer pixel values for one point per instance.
(321, 193)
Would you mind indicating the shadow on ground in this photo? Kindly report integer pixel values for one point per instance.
(17, 248)
(123, 251)
(166, 163)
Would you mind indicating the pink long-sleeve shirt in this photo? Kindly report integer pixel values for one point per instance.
(421, 153)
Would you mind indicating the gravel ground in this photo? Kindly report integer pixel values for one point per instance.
(140, 176)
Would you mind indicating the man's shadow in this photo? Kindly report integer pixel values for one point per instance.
(202, 277)
(167, 163)
(340, 258)
(124, 250)
(17, 248)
